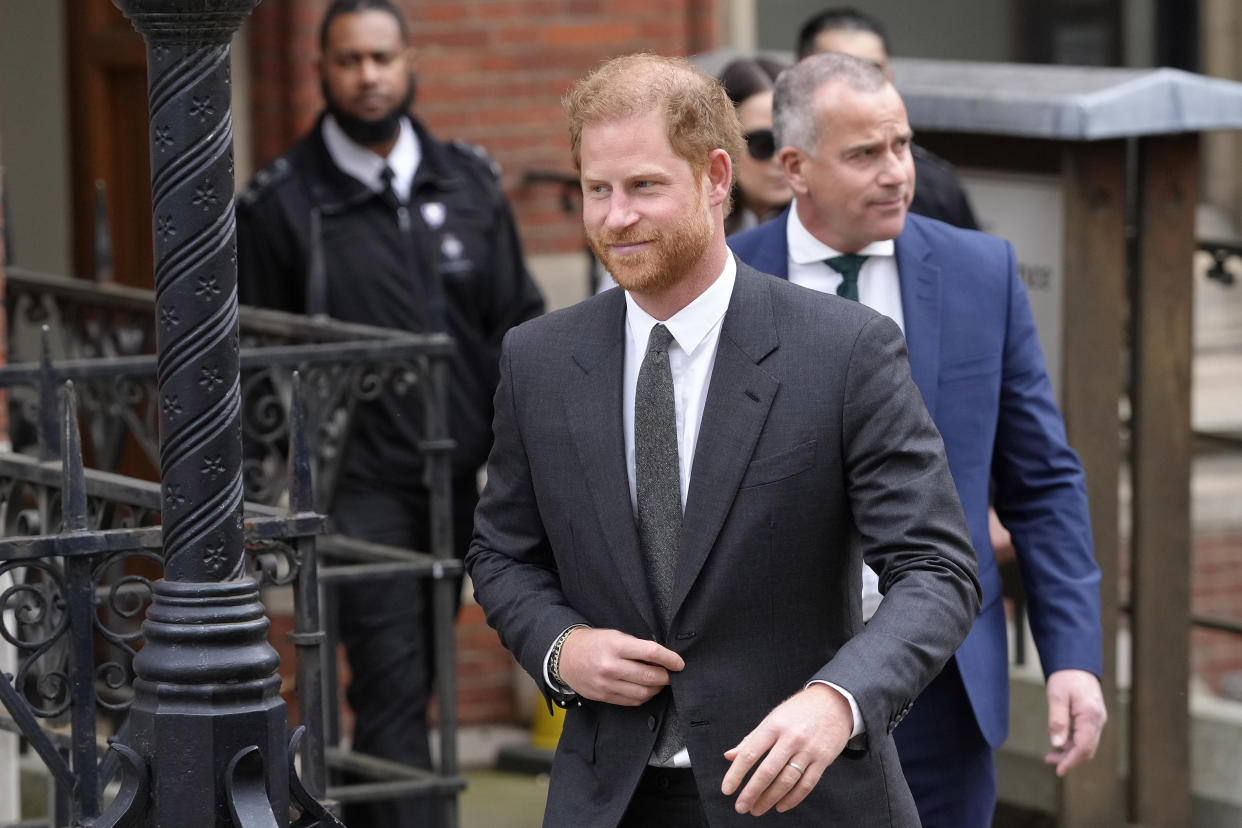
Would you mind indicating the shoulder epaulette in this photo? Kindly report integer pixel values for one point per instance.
(266, 178)
(477, 154)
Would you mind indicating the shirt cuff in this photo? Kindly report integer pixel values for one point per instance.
(859, 727)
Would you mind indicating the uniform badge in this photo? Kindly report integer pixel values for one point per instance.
(451, 246)
(433, 214)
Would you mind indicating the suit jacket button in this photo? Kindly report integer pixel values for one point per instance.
(651, 722)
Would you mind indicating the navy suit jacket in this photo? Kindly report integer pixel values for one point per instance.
(975, 356)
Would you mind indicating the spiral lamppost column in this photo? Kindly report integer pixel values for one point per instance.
(207, 716)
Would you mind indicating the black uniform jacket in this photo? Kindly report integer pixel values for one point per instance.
(937, 192)
(312, 239)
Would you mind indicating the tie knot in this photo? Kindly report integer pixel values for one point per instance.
(847, 264)
(658, 341)
(388, 193)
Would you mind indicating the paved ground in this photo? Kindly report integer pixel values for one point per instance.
(503, 800)
(492, 799)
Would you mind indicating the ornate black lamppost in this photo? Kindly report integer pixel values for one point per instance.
(207, 716)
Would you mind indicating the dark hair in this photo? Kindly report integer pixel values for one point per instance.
(340, 7)
(841, 18)
(748, 76)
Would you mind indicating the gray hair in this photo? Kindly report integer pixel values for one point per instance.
(793, 99)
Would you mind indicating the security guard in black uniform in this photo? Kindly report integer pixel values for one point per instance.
(369, 219)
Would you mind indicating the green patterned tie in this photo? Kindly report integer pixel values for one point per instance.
(848, 266)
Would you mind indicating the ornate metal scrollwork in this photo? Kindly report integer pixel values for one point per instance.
(246, 790)
(122, 597)
(33, 620)
(313, 812)
(273, 562)
(129, 806)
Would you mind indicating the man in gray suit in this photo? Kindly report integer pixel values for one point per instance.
(686, 477)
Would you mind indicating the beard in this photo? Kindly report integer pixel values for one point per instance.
(668, 256)
(374, 131)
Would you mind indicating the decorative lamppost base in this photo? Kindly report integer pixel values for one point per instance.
(207, 711)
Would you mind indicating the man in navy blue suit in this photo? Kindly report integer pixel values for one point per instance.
(975, 356)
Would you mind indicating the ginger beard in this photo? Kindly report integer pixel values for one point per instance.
(667, 256)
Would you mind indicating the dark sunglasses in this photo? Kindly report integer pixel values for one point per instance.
(760, 144)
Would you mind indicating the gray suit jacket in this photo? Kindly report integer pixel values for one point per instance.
(815, 453)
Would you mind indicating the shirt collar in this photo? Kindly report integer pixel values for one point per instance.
(804, 248)
(690, 325)
(364, 165)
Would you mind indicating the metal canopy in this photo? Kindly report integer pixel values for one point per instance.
(1072, 103)
(1063, 102)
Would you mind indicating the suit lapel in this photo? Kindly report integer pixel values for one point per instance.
(738, 400)
(920, 303)
(593, 412)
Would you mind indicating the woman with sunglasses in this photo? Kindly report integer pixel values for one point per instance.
(760, 191)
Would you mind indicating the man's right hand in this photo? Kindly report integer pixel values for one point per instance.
(612, 667)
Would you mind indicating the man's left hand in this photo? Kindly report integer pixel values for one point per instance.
(1076, 717)
(808, 730)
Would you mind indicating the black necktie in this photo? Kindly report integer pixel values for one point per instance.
(658, 485)
(388, 193)
(847, 265)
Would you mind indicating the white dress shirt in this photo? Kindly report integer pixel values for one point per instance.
(878, 285)
(364, 165)
(879, 288)
(696, 333)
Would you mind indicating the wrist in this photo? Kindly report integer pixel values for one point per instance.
(554, 659)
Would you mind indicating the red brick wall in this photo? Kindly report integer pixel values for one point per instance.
(1216, 589)
(489, 71)
(485, 671)
(284, 90)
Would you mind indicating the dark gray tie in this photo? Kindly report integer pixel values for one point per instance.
(659, 496)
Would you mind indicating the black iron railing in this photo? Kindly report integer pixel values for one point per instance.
(96, 343)
(78, 581)
(1226, 259)
(101, 337)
